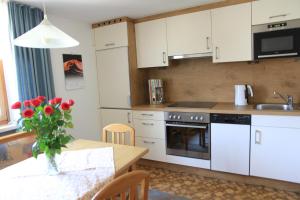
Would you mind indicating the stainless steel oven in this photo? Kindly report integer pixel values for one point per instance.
(188, 134)
(280, 39)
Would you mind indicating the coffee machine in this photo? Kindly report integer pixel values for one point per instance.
(156, 91)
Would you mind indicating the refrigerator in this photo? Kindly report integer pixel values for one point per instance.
(114, 86)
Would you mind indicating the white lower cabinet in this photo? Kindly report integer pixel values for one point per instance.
(230, 148)
(275, 149)
(115, 116)
(150, 133)
(149, 128)
(156, 148)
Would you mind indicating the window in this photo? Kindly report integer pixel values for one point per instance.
(3, 97)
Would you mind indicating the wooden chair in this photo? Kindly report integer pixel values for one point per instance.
(126, 184)
(118, 132)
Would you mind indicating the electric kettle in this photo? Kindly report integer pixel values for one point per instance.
(242, 93)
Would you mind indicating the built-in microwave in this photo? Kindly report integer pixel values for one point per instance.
(280, 39)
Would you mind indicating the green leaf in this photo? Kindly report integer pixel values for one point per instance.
(67, 116)
(60, 122)
(70, 125)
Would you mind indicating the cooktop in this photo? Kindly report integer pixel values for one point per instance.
(193, 104)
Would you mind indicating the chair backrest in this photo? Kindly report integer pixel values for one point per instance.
(118, 132)
(126, 184)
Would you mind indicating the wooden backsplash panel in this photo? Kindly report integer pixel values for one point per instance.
(200, 80)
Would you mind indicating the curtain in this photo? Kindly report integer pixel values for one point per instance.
(34, 70)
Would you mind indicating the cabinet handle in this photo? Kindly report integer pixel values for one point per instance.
(207, 43)
(257, 137)
(109, 44)
(150, 115)
(164, 57)
(148, 142)
(276, 16)
(128, 117)
(148, 124)
(217, 53)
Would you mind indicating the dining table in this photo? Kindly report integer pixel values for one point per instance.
(86, 166)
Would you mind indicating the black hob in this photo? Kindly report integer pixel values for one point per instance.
(193, 104)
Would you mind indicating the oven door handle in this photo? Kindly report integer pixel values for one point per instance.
(186, 126)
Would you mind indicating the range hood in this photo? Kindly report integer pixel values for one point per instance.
(186, 56)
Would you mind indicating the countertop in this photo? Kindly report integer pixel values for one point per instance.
(226, 108)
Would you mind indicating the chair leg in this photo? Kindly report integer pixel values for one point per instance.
(132, 168)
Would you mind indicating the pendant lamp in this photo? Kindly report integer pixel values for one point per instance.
(45, 35)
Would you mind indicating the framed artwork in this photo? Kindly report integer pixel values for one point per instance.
(73, 69)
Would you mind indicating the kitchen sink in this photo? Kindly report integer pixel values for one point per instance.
(285, 107)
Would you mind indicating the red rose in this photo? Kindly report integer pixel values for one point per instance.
(48, 110)
(52, 101)
(27, 113)
(26, 103)
(16, 105)
(35, 102)
(57, 100)
(65, 106)
(41, 98)
(71, 102)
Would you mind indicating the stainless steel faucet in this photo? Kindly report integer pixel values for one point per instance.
(288, 99)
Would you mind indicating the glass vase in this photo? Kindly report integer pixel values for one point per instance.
(51, 166)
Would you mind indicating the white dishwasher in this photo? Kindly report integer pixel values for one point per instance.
(230, 143)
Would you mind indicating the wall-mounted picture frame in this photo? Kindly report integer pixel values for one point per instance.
(73, 70)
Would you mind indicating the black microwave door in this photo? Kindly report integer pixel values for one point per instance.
(277, 43)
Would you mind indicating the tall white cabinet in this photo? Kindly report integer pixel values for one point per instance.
(231, 33)
(189, 33)
(112, 53)
(151, 43)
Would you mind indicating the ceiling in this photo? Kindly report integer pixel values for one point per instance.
(92, 11)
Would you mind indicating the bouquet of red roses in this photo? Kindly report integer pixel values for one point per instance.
(48, 121)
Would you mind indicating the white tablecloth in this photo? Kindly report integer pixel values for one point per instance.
(82, 174)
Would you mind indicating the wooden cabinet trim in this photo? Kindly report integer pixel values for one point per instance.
(111, 22)
(191, 10)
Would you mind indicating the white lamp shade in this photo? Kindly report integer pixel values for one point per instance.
(45, 35)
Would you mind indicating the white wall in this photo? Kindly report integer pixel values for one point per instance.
(86, 116)
(8, 63)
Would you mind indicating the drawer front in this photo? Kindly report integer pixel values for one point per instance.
(157, 148)
(149, 128)
(155, 115)
(276, 121)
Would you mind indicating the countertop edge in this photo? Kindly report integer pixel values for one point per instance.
(224, 108)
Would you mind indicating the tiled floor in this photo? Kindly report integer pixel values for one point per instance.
(196, 187)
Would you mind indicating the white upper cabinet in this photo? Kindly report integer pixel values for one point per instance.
(231, 33)
(268, 11)
(111, 36)
(189, 33)
(151, 43)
